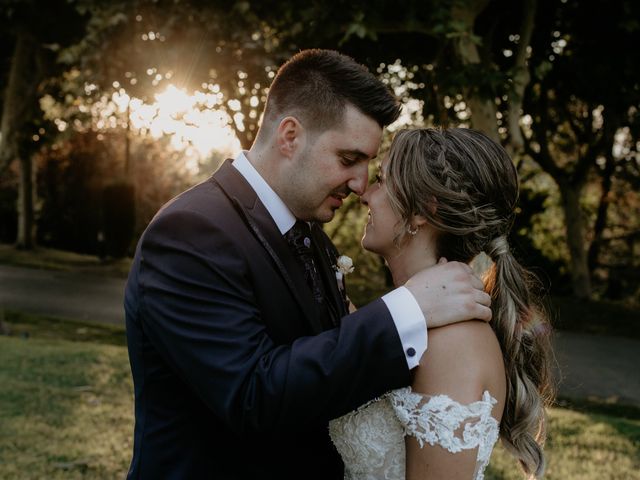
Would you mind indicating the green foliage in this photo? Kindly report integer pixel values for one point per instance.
(139, 48)
(42, 30)
(193, 46)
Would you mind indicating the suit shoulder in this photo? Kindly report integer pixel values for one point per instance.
(201, 197)
(201, 216)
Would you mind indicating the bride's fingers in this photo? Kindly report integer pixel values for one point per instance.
(442, 261)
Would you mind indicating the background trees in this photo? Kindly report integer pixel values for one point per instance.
(583, 102)
(35, 32)
(554, 80)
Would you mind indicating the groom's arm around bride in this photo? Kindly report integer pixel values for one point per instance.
(237, 364)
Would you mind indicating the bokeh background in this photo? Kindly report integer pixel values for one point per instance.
(110, 108)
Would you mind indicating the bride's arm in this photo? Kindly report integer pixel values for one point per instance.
(462, 361)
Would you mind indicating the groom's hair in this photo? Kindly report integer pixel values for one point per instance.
(316, 85)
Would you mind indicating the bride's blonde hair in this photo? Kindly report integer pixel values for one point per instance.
(466, 186)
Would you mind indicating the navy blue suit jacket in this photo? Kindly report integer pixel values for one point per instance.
(234, 376)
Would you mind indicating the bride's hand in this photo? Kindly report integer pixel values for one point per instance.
(449, 293)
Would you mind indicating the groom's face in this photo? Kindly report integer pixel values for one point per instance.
(333, 164)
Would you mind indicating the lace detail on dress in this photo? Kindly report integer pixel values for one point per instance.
(439, 420)
(370, 441)
(371, 438)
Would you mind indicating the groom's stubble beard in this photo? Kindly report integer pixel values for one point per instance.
(305, 197)
(316, 208)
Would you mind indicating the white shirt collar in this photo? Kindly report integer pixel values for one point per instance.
(275, 206)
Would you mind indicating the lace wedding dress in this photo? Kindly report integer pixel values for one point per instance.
(371, 438)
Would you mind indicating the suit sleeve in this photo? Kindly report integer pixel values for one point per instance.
(197, 307)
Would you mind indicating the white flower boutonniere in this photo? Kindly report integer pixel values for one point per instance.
(343, 266)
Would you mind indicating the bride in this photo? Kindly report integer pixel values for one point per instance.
(452, 193)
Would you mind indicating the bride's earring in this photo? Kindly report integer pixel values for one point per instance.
(413, 231)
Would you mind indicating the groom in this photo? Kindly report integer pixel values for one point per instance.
(240, 342)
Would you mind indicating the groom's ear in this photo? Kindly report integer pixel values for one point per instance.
(289, 136)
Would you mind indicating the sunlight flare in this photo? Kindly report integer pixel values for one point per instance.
(192, 122)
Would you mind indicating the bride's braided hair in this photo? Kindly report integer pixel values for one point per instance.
(466, 186)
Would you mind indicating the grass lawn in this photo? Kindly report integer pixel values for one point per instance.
(27, 325)
(66, 411)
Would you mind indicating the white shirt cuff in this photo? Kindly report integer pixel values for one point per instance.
(410, 323)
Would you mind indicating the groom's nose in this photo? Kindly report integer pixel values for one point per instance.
(358, 182)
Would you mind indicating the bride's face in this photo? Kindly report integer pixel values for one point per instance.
(381, 228)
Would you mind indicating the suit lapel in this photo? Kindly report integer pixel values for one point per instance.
(328, 260)
(261, 225)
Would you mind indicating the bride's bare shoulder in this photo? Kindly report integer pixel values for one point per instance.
(462, 360)
(473, 337)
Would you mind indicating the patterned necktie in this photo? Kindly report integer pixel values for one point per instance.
(299, 239)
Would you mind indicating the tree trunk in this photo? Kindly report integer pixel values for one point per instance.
(4, 329)
(483, 117)
(483, 110)
(25, 75)
(580, 278)
(603, 210)
(521, 79)
(26, 205)
(14, 108)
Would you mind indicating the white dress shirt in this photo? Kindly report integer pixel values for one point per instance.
(407, 316)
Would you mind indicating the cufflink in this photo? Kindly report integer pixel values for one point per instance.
(411, 351)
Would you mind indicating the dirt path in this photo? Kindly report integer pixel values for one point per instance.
(62, 294)
(599, 367)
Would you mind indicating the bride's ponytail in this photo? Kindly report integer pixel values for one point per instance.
(524, 335)
(466, 186)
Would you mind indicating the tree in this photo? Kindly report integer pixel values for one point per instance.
(521, 71)
(194, 45)
(38, 32)
(577, 106)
